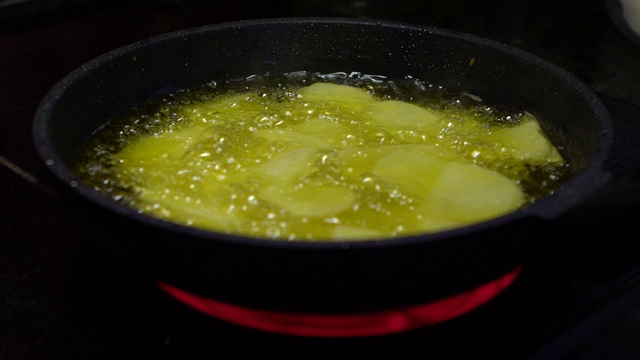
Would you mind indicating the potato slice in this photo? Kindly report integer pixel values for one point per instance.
(526, 142)
(359, 160)
(356, 233)
(323, 92)
(287, 166)
(427, 150)
(157, 150)
(177, 208)
(159, 161)
(412, 173)
(291, 137)
(433, 223)
(469, 193)
(393, 114)
(310, 200)
(325, 130)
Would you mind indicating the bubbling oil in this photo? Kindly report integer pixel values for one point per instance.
(322, 157)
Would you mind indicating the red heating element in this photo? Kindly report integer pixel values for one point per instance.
(347, 325)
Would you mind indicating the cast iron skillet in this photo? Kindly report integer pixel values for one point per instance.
(325, 278)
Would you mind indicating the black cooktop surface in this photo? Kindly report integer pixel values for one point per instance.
(63, 297)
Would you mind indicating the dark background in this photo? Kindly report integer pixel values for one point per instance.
(61, 297)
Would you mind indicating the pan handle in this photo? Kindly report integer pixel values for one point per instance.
(620, 196)
(624, 158)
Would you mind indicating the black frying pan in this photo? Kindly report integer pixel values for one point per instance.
(323, 280)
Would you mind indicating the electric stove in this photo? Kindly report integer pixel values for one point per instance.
(63, 297)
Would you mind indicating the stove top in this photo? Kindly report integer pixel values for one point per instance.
(62, 296)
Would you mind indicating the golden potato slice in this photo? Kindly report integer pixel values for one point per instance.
(322, 92)
(356, 233)
(208, 215)
(432, 222)
(157, 150)
(412, 173)
(287, 166)
(469, 193)
(325, 130)
(393, 114)
(291, 138)
(526, 142)
(310, 200)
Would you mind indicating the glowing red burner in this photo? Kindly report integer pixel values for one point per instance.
(348, 325)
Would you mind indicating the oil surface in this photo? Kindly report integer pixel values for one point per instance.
(304, 156)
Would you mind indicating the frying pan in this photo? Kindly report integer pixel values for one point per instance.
(322, 288)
